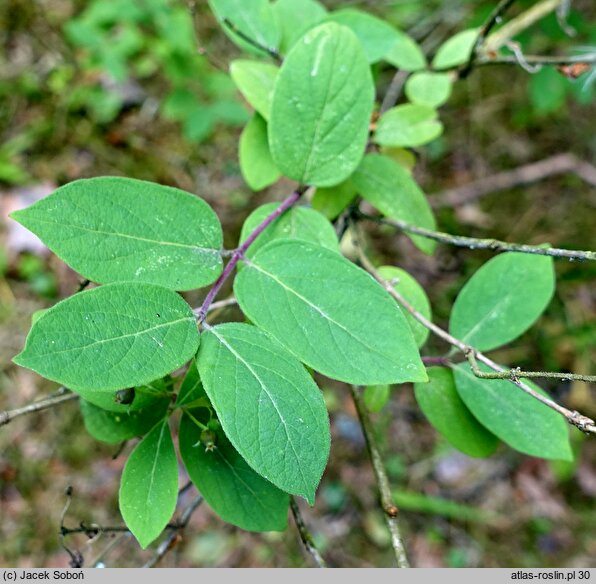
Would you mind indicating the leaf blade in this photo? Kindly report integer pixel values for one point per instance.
(325, 82)
(502, 300)
(392, 191)
(439, 401)
(149, 485)
(232, 489)
(135, 234)
(112, 337)
(515, 417)
(329, 313)
(283, 437)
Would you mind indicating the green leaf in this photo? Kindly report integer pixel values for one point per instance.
(375, 397)
(456, 50)
(414, 293)
(502, 300)
(389, 188)
(149, 485)
(268, 405)
(144, 396)
(331, 201)
(377, 36)
(405, 53)
(448, 414)
(329, 313)
(255, 80)
(257, 166)
(514, 416)
(116, 336)
(113, 427)
(296, 223)
(112, 229)
(254, 18)
(409, 125)
(231, 488)
(430, 89)
(296, 17)
(321, 107)
(191, 389)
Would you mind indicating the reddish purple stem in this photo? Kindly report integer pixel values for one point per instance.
(240, 251)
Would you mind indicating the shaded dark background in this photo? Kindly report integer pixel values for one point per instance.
(82, 95)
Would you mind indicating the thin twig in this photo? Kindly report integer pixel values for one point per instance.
(517, 373)
(488, 25)
(240, 251)
(476, 243)
(43, 404)
(271, 51)
(174, 536)
(394, 90)
(537, 60)
(520, 23)
(305, 536)
(578, 420)
(219, 305)
(390, 511)
(522, 175)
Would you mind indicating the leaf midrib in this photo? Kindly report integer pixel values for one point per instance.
(134, 237)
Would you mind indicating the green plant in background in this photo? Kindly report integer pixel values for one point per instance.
(253, 426)
(121, 42)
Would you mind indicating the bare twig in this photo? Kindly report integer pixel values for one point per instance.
(476, 243)
(271, 51)
(582, 422)
(305, 536)
(390, 511)
(38, 406)
(523, 175)
(221, 304)
(517, 373)
(174, 536)
(536, 60)
(488, 25)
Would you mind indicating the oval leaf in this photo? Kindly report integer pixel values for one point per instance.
(321, 107)
(331, 201)
(377, 36)
(149, 485)
(413, 292)
(257, 166)
(405, 53)
(256, 81)
(456, 50)
(430, 89)
(515, 417)
(113, 337)
(329, 313)
(391, 190)
(115, 427)
(448, 414)
(233, 490)
(254, 18)
(268, 405)
(502, 300)
(296, 223)
(144, 396)
(375, 397)
(409, 125)
(296, 17)
(112, 229)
